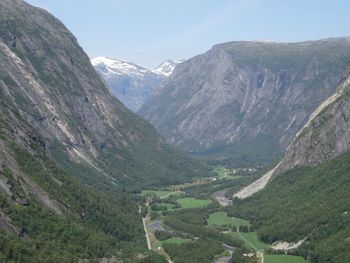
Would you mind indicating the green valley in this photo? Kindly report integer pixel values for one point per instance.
(248, 160)
(186, 225)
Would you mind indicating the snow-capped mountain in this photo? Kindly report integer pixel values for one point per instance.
(132, 84)
(167, 67)
(109, 66)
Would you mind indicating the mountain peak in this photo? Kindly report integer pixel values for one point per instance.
(113, 66)
(132, 84)
(167, 67)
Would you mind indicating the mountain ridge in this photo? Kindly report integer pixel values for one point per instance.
(246, 98)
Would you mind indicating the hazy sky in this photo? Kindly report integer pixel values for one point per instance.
(149, 31)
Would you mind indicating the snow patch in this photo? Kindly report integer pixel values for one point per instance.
(109, 67)
(167, 67)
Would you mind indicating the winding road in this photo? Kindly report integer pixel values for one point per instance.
(146, 233)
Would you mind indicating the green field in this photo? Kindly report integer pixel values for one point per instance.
(224, 173)
(283, 259)
(173, 240)
(251, 239)
(193, 202)
(221, 219)
(195, 182)
(159, 194)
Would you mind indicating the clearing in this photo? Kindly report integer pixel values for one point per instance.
(221, 219)
(190, 202)
(251, 239)
(284, 259)
(172, 240)
(159, 194)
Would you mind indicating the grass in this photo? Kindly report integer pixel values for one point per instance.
(172, 240)
(221, 219)
(160, 194)
(224, 172)
(283, 259)
(184, 186)
(193, 202)
(251, 239)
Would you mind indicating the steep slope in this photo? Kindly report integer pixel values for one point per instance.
(325, 136)
(49, 79)
(133, 85)
(246, 100)
(70, 151)
(308, 193)
(47, 215)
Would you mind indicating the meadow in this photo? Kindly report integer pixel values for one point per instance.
(160, 194)
(221, 219)
(191, 202)
(251, 239)
(172, 240)
(284, 259)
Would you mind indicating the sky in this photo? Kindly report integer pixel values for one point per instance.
(148, 32)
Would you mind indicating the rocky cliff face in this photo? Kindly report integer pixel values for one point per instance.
(247, 99)
(49, 80)
(325, 136)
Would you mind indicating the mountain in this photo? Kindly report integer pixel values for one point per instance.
(70, 152)
(51, 82)
(133, 85)
(167, 67)
(306, 195)
(243, 102)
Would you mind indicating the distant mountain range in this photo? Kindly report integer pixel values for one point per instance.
(243, 102)
(132, 84)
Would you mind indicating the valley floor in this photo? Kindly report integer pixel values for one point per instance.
(181, 219)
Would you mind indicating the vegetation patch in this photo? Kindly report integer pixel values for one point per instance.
(251, 239)
(221, 219)
(159, 194)
(172, 240)
(284, 259)
(201, 251)
(162, 207)
(190, 202)
(312, 202)
(234, 173)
